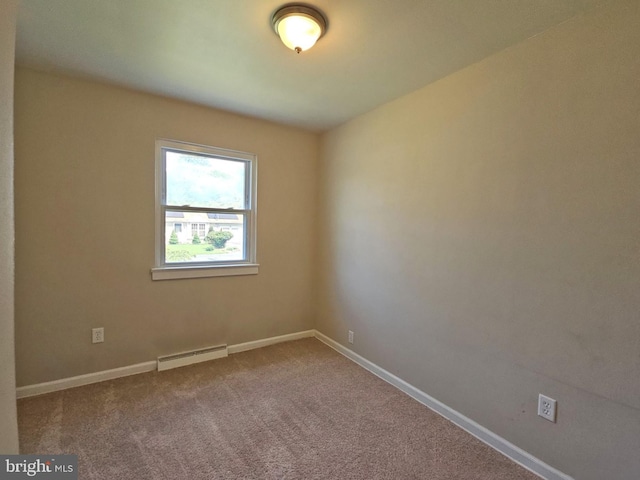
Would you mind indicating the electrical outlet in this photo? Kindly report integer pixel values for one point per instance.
(350, 336)
(97, 335)
(547, 408)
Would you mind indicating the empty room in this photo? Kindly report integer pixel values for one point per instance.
(246, 239)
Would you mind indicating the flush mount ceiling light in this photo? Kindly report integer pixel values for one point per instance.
(299, 26)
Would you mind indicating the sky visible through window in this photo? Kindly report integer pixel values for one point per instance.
(202, 181)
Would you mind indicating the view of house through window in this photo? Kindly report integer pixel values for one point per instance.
(206, 204)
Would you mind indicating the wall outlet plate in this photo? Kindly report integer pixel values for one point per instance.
(350, 336)
(97, 335)
(547, 408)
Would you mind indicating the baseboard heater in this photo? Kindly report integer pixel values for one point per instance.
(194, 356)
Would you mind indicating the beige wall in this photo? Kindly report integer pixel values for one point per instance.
(85, 230)
(8, 426)
(481, 237)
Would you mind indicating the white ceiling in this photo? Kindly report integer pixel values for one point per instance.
(224, 54)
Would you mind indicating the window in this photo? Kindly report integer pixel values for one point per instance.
(214, 191)
(198, 229)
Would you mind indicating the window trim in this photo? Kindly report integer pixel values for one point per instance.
(249, 266)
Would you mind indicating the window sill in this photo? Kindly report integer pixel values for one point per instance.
(176, 273)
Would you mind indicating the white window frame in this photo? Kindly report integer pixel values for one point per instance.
(249, 266)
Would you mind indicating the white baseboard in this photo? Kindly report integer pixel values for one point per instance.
(64, 383)
(498, 443)
(265, 342)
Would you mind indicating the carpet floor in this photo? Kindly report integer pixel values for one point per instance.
(296, 410)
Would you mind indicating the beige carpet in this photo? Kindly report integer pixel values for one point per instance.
(296, 410)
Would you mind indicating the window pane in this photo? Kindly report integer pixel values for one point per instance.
(202, 181)
(213, 237)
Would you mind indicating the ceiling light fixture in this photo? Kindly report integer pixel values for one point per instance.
(299, 26)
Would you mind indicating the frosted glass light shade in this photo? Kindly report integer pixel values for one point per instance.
(299, 32)
(299, 27)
